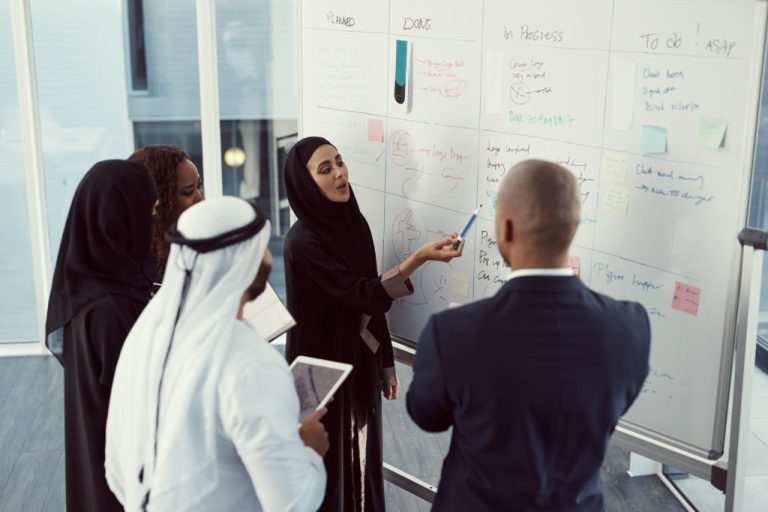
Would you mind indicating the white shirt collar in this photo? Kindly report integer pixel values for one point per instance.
(562, 272)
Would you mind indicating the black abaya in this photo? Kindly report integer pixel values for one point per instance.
(93, 339)
(98, 292)
(332, 285)
(327, 302)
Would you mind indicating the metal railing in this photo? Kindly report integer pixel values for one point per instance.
(405, 352)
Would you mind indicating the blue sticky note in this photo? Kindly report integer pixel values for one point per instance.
(654, 140)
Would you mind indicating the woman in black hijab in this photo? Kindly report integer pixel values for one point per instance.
(339, 300)
(98, 292)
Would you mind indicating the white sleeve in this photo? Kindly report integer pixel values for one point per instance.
(259, 412)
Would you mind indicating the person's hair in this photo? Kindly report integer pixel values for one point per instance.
(162, 161)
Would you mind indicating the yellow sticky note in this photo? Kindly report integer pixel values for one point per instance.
(452, 305)
(712, 132)
(616, 199)
(615, 167)
(459, 284)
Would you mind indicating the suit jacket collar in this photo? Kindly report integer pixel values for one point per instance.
(543, 284)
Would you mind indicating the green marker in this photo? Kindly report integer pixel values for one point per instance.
(464, 231)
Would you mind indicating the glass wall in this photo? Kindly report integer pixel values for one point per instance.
(80, 67)
(258, 105)
(257, 101)
(160, 55)
(138, 86)
(18, 314)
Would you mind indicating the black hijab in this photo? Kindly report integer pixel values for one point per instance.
(106, 238)
(340, 227)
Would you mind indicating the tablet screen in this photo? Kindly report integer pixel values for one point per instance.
(315, 385)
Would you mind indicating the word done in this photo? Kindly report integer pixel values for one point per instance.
(417, 24)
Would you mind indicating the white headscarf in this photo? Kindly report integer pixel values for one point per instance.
(184, 470)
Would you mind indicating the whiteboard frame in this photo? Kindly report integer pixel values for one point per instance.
(680, 454)
(658, 446)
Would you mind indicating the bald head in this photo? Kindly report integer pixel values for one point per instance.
(537, 212)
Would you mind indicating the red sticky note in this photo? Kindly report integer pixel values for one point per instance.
(375, 130)
(686, 298)
(575, 264)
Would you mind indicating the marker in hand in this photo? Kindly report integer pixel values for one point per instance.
(464, 231)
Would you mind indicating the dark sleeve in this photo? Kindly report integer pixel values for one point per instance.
(363, 294)
(641, 351)
(387, 354)
(108, 326)
(427, 401)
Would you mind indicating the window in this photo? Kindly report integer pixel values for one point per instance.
(136, 49)
(82, 92)
(259, 106)
(18, 313)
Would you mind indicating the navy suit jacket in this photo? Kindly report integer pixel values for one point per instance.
(533, 382)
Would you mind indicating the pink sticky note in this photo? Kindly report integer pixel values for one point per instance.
(375, 130)
(575, 264)
(686, 298)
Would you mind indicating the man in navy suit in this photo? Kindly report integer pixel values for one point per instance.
(534, 379)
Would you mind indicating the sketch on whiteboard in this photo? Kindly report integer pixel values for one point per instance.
(426, 168)
(405, 236)
(443, 78)
(445, 82)
(431, 280)
(528, 77)
(587, 181)
(500, 152)
(661, 382)
(400, 147)
(421, 182)
(490, 267)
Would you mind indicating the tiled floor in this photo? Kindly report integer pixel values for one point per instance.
(32, 448)
(32, 451)
(708, 499)
(421, 455)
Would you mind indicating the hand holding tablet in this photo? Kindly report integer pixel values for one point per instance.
(313, 433)
(316, 381)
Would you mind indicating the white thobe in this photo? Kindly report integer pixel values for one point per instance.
(262, 463)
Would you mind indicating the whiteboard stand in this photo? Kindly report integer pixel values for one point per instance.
(642, 466)
(753, 244)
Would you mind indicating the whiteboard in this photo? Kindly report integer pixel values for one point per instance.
(632, 96)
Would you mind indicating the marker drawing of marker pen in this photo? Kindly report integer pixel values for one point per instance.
(403, 77)
(464, 231)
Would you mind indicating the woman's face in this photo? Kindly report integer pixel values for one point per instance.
(330, 173)
(189, 186)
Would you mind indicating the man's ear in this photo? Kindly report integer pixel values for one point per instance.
(508, 231)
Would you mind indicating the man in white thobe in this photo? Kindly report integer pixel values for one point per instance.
(203, 414)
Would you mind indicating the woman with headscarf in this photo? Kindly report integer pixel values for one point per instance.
(339, 300)
(178, 185)
(98, 292)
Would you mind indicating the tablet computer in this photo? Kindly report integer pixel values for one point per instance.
(316, 381)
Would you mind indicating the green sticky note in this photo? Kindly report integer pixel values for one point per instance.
(712, 132)
(653, 140)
